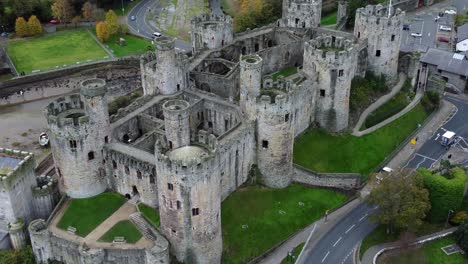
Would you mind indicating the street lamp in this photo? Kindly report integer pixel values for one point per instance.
(123, 9)
(448, 215)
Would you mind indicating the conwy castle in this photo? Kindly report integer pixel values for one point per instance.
(203, 122)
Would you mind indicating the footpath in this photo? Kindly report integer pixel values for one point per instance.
(320, 227)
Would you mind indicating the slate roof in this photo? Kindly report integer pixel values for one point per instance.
(462, 32)
(447, 61)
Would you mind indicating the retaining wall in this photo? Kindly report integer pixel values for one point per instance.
(335, 180)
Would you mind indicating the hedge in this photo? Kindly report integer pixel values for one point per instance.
(445, 194)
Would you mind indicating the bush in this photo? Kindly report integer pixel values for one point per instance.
(431, 101)
(445, 194)
(363, 89)
(461, 235)
(459, 217)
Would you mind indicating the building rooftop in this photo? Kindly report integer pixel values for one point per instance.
(462, 32)
(447, 61)
(187, 153)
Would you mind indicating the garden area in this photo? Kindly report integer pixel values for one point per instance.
(125, 229)
(86, 214)
(54, 50)
(357, 154)
(256, 218)
(150, 214)
(133, 45)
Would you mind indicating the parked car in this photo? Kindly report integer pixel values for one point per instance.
(53, 21)
(132, 18)
(451, 12)
(441, 14)
(418, 35)
(406, 27)
(157, 34)
(445, 28)
(441, 39)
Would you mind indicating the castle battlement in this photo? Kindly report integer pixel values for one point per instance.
(331, 50)
(379, 14)
(164, 43)
(185, 160)
(251, 62)
(45, 186)
(304, 1)
(207, 19)
(25, 164)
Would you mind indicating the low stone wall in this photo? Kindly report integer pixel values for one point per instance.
(335, 180)
(122, 76)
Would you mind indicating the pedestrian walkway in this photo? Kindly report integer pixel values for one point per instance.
(101, 44)
(371, 255)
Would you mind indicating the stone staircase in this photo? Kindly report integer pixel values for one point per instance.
(134, 199)
(143, 226)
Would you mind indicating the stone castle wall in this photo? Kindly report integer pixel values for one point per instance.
(334, 180)
(210, 31)
(302, 13)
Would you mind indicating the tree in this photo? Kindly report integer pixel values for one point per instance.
(102, 31)
(35, 27)
(62, 10)
(403, 201)
(112, 22)
(461, 235)
(88, 11)
(21, 27)
(353, 5)
(76, 20)
(24, 256)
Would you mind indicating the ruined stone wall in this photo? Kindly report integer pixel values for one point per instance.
(282, 56)
(121, 80)
(383, 34)
(334, 180)
(303, 108)
(211, 31)
(341, 13)
(222, 85)
(301, 13)
(332, 62)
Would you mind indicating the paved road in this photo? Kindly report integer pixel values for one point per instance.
(143, 28)
(337, 246)
(432, 150)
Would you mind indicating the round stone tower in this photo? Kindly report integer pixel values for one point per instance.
(18, 235)
(211, 31)
(189, 193)
(40, 241)
(332, 62)
(163, 71)
(250, 83)
(79, 129)
(176, 123)
(275, 136)
(383, 29)
(302, 13)
(342, 11)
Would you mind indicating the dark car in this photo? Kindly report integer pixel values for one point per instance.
(441, 39)
(406, 27)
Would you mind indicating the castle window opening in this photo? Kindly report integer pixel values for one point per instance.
(210, 124)
(393, 37)
(91, 155)
(265, 144)
(134, 190)
(127, 170)
(173, 231)
(73, 144)
(139, 174)
(340, 73)
(303, 25)
(114, 164)
(179, 204)
(151, 177)
(178, 87)
(297, 21)
(126, 138)
(322, 92)
(127, 195)
(195, 211)
(170, 144)
(270, 43)
(256, 47)
(286, 117)
(358, 34)
(377, 53)
(226, 124)
(170, 186)
(106, 139)
(170, 204)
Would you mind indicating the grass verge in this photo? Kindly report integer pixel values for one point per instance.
(256, 218)
(295, 254)
(328, 19)
(429, 253)
(86, 214)
(135, 45)
(357, 154)
(124, 229)
(150, 214)
(57, 49)
(284, 72)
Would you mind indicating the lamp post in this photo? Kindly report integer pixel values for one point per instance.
(448, 216)
(123, 9)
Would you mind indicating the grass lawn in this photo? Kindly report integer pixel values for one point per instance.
(429, 253)
(378, 236)
(135, 45)
(124, 229)
(295, 253)
(57, 49)
(150, 214)
(284, 72)
(316, 149)
(86, 214)
(328, 20)
(256, 218)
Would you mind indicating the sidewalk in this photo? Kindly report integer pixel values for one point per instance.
(371, 255)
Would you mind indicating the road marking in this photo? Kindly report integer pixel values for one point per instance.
(362, 218)
(325, 256)
(426, 157)
(349, 229)
(339, 239)
(347, 256)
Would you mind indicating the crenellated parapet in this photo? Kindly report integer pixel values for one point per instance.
(331, 50)
(11, 176)
(301, 13)
(211, 31)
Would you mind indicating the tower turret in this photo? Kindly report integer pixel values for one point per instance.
(211, 31)
(176, 123)
(189, 193)
(250, 83)
(342, 11)
(302, 13)
(80, 128)
(164, 71)
(332, 62)
(382, 27)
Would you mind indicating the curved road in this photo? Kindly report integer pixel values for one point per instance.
(337, 246)
(144, 29)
